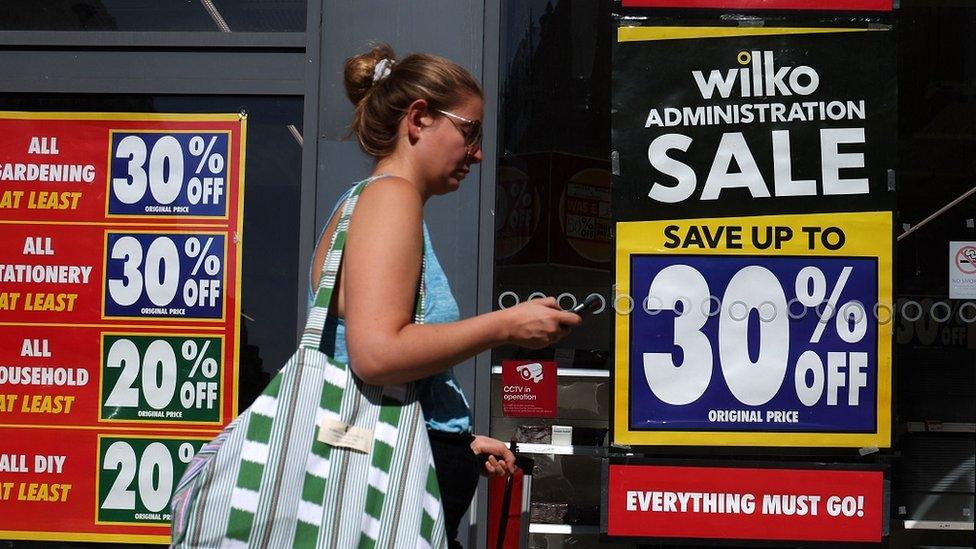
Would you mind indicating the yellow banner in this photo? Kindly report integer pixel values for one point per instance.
(641, 34)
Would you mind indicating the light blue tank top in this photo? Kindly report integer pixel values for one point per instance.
(441, 398)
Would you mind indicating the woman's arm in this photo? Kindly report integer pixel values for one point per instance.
(381, 267)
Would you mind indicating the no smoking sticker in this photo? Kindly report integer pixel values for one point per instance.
(962, 270)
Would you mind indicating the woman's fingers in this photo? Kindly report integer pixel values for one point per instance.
(539, 323)
(494, 468)
(569, 319)
(509, 462)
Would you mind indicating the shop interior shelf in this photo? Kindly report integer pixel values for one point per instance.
(562, 449)
(938, 525)
(940, 427)
(568, 372)
(538, 528)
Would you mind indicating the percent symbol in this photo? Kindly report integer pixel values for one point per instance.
(190, 351)
(210, 262)
(186, 452)
(811, 289)
(213, 161)
(206, 189)
(199, 394)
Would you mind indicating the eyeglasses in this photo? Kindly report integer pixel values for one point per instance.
(471, 130)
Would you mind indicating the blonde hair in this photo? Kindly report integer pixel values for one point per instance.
(382, 102)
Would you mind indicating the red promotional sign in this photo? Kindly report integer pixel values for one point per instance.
(740, 503)
(76, 376)
(854, 5)
(528, 388)
(85, 268)
(120, 268)
(100, 487)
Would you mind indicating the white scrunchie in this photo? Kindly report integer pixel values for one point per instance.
(382, 70)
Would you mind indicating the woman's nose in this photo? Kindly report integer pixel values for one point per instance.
(475, 155)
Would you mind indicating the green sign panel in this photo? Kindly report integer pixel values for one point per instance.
(160, 378)
(136, 477)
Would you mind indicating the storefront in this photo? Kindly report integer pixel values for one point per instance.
(632, 168)
(565, 196)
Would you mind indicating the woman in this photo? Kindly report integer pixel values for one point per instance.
(420, 118)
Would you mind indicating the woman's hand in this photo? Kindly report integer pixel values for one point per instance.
(494, 467)
(539, 323)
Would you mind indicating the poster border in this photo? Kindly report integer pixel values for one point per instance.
(651, 33)
(788, 6)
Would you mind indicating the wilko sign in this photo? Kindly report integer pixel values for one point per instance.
(759, 77)
(744, 503)
(750, 121)
(529, 388)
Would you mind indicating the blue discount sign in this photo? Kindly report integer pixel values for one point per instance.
(169, 174)
(153, 275)
(734, 338)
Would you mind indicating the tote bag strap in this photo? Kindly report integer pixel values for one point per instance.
(315, 325)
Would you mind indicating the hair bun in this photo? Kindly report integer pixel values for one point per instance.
(364, 70)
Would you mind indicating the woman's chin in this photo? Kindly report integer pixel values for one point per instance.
(454, 181)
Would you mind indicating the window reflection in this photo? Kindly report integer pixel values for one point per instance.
(149, 15)
(553, 225)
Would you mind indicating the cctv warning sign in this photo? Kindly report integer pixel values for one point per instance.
(528, 388)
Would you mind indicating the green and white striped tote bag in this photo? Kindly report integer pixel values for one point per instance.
(267, 480)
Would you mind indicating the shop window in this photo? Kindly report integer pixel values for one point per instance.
(553, 237)
(148, 15)
(552, 207)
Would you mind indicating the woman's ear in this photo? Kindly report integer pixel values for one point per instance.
(417, 117)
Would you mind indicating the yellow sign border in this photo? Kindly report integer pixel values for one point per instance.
(122, 116)
(84, 536)
(644, 237)
(647, 34)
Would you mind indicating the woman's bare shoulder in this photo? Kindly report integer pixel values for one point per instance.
(392, 196)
